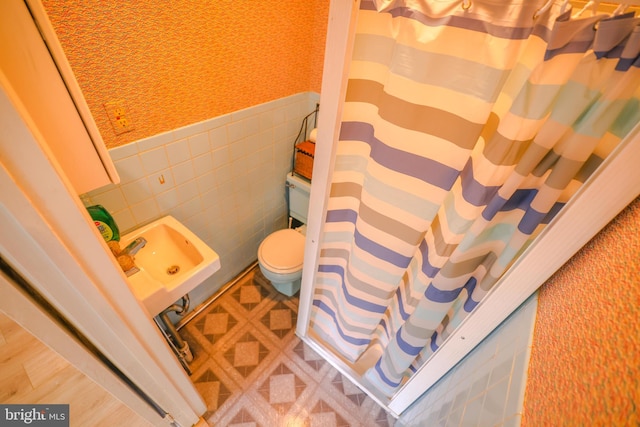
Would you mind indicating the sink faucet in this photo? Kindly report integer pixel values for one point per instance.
(133, 247)
(127, 256)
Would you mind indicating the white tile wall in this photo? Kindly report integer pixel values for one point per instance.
(223, 178)
(487, 387)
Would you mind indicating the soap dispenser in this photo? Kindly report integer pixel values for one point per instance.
(105, 223)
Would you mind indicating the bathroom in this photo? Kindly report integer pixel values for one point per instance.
(245, 91)
(160, 101)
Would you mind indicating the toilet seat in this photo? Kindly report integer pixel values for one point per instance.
(282, 252)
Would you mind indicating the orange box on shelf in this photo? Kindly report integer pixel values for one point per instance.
(303, 164)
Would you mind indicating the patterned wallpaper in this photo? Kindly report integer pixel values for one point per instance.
(180, 62)
(585, 363)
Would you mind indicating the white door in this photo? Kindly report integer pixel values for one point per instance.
(48, 238)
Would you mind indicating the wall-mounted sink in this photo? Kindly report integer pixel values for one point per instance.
(172, 263)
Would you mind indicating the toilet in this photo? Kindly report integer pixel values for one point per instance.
(281, 253)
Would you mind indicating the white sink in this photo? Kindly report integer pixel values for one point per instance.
(172, 263)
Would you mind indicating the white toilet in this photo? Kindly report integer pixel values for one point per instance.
(281, 253)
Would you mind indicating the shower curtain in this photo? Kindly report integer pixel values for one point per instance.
(466, 127)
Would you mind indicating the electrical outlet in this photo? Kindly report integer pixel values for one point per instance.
(119, 116)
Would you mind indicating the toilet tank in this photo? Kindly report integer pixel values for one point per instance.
(299, 190)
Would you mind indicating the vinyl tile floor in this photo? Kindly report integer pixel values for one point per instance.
(252, 370)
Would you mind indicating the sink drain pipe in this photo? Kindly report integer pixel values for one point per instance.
(181, 346)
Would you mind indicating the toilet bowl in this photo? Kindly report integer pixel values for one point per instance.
(280, 258)
(281, 253)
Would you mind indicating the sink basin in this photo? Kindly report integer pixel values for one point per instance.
(172, 263)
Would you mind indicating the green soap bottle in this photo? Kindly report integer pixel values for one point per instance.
(105, 223)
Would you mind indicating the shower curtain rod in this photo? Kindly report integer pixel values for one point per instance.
(615, 2)
(595, 4)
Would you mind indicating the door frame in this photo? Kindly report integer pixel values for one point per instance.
(49, 239)
(605, 194)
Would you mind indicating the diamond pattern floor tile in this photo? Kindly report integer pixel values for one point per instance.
(243, 419)
(310, 357)
(251, 293)
(282, 389)
(348, 389)
(246, 354)
(216, 323)
(324, 414)
(252, 370)
(280, 320)
(214, 391)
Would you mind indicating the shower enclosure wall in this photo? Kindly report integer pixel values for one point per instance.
(347, 71)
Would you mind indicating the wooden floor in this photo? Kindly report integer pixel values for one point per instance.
(32, 373)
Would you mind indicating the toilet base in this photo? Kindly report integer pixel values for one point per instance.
(288, 288)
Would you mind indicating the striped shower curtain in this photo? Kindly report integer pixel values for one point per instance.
(466, 127)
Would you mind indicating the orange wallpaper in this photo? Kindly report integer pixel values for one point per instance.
(176, 63)
(585, 362)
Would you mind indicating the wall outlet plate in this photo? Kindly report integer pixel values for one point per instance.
(119, 116)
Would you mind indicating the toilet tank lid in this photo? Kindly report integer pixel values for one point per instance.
(282, 250)
(299, 182)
